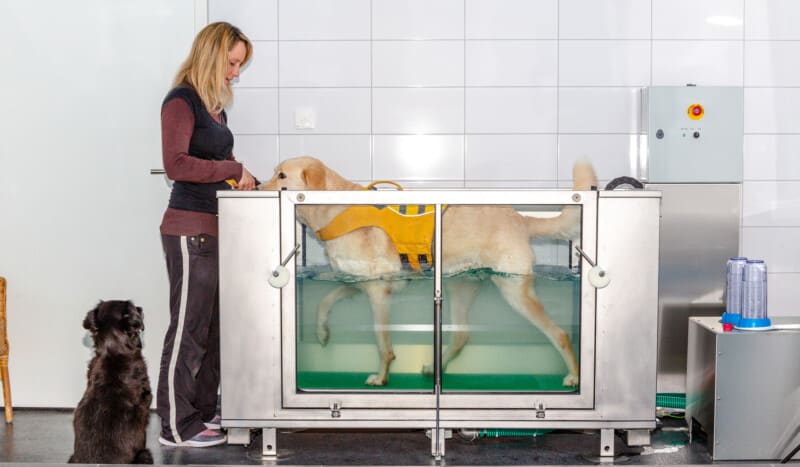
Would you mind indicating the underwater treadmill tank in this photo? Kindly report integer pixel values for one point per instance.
(307, 354)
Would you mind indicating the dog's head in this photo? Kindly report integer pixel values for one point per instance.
(115, 326)
(300, 173)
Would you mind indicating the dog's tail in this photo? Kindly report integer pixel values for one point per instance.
(567, 224)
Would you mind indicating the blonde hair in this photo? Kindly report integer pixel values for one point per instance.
(206, 66)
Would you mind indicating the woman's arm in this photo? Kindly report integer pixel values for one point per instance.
(177, 124)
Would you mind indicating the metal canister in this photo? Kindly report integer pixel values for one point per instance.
(733, 290)
(754, 296)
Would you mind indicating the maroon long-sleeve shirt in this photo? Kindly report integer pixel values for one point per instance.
(177, 124)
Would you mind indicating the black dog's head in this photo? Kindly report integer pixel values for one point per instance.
(115, 326)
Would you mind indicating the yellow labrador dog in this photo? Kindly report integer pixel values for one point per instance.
(495, 237)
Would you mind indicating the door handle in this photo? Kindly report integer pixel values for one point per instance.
(164, 173)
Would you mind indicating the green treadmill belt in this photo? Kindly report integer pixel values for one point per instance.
(322, 381)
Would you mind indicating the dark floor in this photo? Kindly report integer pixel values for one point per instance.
(45, 437)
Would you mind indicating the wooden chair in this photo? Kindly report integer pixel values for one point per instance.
(4, 352)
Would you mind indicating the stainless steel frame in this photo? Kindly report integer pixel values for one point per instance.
(618, 365)
(699, 232)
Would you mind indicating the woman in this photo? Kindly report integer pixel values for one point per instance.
(197, 151)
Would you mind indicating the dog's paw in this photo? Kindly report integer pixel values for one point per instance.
(375, 380)
(323, 335)
(143, 457)
(427, 370)
(571, 380)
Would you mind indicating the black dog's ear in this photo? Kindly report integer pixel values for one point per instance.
(141, 315)
(90, 322)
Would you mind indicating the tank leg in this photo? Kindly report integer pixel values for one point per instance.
(269, 445)
(638, 437)
(239, 436)
(607, 442)
(437, 442)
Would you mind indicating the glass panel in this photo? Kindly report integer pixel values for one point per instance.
(339, 282)
(511, 292)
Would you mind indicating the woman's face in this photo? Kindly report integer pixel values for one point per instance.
(235, 59)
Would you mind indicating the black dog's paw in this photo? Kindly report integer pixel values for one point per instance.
(143, 457)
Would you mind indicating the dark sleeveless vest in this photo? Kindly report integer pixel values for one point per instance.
(211, 141)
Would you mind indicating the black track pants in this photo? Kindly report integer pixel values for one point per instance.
(189, 375)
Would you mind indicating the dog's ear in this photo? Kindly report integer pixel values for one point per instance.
(314, 176)
(135, 316)
(90, 322)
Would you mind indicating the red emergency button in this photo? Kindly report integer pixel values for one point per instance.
(696, 111)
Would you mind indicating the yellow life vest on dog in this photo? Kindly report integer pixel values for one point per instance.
(409, 226)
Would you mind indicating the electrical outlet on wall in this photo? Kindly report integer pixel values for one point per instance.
(305, 118)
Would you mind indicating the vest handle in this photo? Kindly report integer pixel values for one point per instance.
(372, 185)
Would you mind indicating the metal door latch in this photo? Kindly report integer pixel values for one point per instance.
(280, 275)
(598, 276)
(336, 408)
(540, 408)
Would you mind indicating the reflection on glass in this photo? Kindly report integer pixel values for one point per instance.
(508, 326)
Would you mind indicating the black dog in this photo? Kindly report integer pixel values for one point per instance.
(111, 419)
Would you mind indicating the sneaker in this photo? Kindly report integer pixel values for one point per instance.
(203, 439)
(215, 423)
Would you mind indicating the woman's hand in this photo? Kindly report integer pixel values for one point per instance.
(247, 182)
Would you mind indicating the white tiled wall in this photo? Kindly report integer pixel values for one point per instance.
(509, 93)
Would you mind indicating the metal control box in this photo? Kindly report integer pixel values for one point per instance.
(743, 389)
(694, 134)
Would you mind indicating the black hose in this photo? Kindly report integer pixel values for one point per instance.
(624, 181)
(791, 454)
